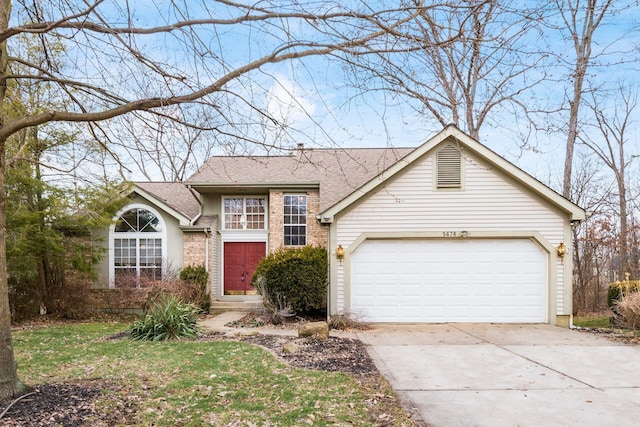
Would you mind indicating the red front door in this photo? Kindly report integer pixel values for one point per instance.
(240, 262)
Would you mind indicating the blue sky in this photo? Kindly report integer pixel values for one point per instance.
(311, 97)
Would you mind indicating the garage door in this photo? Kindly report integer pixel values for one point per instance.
(499, 280)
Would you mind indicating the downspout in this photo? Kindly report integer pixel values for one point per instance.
(329, 265)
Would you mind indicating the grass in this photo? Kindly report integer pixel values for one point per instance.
(592, 321)
(189, 383)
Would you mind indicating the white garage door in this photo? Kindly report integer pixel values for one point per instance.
(497, 280)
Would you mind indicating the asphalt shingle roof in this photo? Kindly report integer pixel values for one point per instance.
(173, 194)
(338, 172)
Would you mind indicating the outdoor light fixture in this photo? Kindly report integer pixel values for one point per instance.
(562, 249)
(340, 252)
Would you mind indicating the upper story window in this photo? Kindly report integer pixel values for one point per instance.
(244, 213)
(449, 167)
(295, 220)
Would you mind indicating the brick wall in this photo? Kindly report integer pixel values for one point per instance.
(316, 234)
(276, 212)
(194, 250)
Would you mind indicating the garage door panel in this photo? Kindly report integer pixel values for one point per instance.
(449, 281)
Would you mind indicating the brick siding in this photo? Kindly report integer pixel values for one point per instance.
(194, 249)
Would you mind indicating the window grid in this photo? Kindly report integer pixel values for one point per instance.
(245, 213)
(138, 254)
(295, 220)
(255, 210)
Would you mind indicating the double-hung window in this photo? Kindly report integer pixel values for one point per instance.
(245, 213)
(295, 220)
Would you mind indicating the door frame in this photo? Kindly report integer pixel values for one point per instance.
(239, 236)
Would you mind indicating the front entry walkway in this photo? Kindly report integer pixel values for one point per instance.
(508, 375)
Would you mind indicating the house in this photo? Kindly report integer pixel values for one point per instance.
(445, 232)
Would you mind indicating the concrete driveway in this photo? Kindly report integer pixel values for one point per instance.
(508, 375)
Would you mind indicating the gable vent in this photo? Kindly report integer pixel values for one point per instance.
(449, 162)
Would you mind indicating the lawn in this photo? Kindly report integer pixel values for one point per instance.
(597, 321)
(192, 383)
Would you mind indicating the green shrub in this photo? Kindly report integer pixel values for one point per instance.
(293, 279)
(168, 318)
(618, 290)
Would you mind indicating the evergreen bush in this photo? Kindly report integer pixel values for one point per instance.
(293, 280)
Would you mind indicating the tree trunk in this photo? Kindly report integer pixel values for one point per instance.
(623, 266)
(572, 135)
(9, 383)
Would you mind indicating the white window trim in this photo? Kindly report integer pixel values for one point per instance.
(306, 226)
(113, 235)
(244, 213)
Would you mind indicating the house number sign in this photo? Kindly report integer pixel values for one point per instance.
(454, 234)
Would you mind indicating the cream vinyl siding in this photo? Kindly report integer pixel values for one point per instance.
(489, 202)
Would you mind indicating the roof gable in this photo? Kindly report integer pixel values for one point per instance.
(172, 197)
(451, 132)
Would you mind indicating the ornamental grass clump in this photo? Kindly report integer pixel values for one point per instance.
(629, 308)
(168, 318)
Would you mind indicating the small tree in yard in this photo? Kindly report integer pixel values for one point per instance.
(293, 281)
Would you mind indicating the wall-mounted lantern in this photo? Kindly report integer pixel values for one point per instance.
(562, 250)
(340, 253)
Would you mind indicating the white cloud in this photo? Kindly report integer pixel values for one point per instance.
(287, 103)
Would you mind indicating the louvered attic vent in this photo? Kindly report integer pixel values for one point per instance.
(449, 163)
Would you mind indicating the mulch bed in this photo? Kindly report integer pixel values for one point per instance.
(614, 335)
(66, 405)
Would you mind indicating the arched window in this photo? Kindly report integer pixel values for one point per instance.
(137, 242)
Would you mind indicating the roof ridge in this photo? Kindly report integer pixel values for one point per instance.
(295, 150)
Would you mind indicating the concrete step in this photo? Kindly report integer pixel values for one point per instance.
(238, 306)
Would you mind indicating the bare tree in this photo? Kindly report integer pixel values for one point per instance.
(610, 143)
(116, 61)
(593, 238)
(579, 20)
(466, 64)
